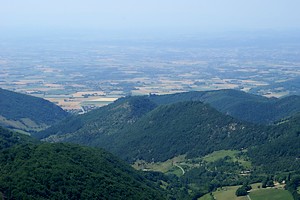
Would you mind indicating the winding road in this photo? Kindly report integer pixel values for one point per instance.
(183, 172)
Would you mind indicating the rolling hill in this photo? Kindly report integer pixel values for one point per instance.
(27, 113)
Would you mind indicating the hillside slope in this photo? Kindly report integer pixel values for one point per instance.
(31, 170)
(27, 113)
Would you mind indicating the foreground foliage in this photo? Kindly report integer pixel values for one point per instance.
(30, 170)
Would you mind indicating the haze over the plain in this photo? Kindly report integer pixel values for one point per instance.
(169, 16)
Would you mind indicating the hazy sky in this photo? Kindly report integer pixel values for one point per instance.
(149, 15)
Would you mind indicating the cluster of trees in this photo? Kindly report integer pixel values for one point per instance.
(243, 190)
(267, 182)
(292, 185)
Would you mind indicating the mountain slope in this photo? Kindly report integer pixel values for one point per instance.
(238, 104)
(64, 171)
(27, 113)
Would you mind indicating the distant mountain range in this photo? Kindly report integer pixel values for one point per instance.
(26, 113)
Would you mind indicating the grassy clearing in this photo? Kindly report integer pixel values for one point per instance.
(226, 193)
(298, 190)
(165, 167)
(169, 166)
(216, 155)
(257, 193)
(270, 194)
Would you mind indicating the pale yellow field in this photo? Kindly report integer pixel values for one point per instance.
(81, 94)
(66, 105)
(104, 99)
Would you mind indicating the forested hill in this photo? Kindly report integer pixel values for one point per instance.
(190, 128)
(93, 127)
(238, 104)
(31, 170)
(27, 113)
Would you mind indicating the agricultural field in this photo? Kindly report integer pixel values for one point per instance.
(206, 197)
(257, 193)
(233, 155)
(270, 194)
(169, 167)
(227, 193)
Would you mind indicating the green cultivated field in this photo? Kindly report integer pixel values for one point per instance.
(270, 194)
(227, 193)
(217, 155)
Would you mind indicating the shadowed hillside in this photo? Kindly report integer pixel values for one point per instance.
(27, 113)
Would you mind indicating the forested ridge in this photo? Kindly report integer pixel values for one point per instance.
(240, 105)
